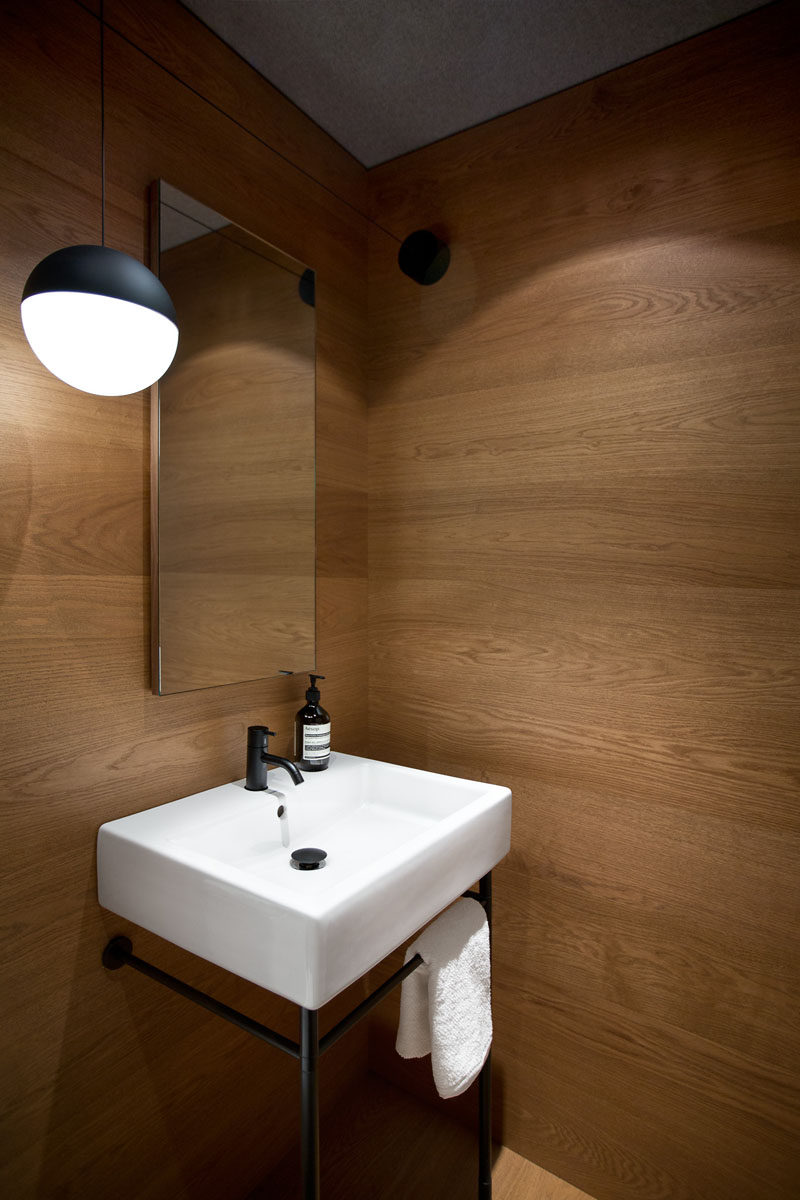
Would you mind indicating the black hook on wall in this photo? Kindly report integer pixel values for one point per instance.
(424, 257)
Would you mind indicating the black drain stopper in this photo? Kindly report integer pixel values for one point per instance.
(309, 858)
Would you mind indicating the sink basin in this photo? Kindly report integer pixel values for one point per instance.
(212, 872)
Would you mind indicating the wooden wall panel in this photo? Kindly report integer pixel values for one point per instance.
(111, 1086)
(585, 584)
(189, 50)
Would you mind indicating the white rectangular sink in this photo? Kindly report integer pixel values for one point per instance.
(210, 872)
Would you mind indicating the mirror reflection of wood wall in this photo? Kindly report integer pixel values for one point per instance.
(236, 478)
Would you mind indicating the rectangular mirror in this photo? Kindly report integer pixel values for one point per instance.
(233, 456)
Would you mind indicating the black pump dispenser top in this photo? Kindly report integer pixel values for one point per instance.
(312, 693)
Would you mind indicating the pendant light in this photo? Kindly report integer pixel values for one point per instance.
(95, 317)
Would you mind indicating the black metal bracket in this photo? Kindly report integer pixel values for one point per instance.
(119, 953)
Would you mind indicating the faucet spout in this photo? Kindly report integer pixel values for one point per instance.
(289, 767)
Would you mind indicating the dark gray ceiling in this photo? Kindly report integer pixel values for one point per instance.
(387, 76)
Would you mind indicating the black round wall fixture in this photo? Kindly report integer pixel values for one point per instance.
(306, 288)
(424, 257)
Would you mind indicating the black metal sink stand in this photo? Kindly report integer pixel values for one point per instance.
(119, 953)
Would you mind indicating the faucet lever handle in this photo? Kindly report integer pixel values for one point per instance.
(258, 736)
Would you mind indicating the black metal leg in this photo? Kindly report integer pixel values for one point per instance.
(309, 1103)
(485, 1130)
(119, 953)
(485, 1080)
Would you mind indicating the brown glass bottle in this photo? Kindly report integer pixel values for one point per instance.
(312, 732)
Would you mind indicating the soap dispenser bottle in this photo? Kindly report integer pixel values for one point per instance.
(312, 732)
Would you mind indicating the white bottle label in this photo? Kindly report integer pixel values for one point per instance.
(316, 742)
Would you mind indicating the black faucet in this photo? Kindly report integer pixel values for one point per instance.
(258, 756)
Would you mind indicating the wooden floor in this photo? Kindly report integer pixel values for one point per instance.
(384, 1145)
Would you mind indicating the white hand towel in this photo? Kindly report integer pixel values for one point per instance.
(445, 1005)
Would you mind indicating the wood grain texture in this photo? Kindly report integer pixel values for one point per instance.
(111, 1086)
(585, 583)
(187, 48)
(380, 1144)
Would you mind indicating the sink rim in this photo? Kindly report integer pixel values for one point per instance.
(316, 903)
(308, 941)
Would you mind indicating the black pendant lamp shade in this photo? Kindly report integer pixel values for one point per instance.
(99, 320)
(101, 270)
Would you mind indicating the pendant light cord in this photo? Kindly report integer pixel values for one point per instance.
(102, 129)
